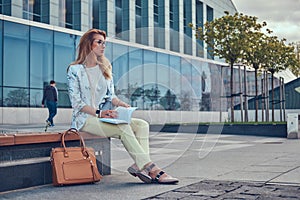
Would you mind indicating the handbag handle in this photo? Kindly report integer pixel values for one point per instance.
(82, 144)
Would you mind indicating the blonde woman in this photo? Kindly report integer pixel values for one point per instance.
(90, 85)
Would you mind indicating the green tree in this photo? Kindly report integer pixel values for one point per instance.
(226, 37)
(278, 57)
(294, 58)
(254, 56)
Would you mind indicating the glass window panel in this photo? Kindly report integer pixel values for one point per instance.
(118, 16)
(45, 9)
(187, 94)
(196, 77)
(69, 13)
(63, 98)
(32, 10)
(175, 76)
(16, 97)
(1, 63)
(196, 83)
(199, 23)
(136, 77)
(151, 91)
(163, 79)
(64, 54)
(118, 3)
(163, 71)
(214, 89)
(120, 71)
(16, 55)
(37, 10)
(1, 97)
(96, 13)
(36, 97)
(174, 40)
(5, 7)
(41, 53)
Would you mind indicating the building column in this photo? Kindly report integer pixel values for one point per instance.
(194, 41)
(204, 21)
(150, 23)
(56, 15)
(86, 14)
(17, 8)
(132, 27)
(111, 18)
(181, 28)
(167, 25)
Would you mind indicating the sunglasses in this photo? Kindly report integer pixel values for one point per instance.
(100, 42)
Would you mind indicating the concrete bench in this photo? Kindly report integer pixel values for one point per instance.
(25, 157)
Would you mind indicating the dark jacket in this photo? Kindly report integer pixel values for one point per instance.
(49, 94)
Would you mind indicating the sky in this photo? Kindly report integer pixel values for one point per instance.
(282, 16)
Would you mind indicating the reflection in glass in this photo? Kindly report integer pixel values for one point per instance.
(36, 97)
(136, 73)
(16, 54)
(169, 101)
(64, 54)
(32, 10)
(16, 97)
(1, 64)
(144, 78)
(152, 96)
(41, 49)
(1, 97)
(120, 66)
(175, 75)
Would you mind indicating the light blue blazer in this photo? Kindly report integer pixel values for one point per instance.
(80, 93)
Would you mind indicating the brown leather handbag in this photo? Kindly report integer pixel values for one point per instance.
(73, 165)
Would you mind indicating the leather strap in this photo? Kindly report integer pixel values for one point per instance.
(94, 170)
(72, 131)
(148, 169)
(159, 175)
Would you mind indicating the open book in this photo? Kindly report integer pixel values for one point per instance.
(124, 116)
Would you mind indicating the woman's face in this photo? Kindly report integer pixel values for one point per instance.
(98, 45)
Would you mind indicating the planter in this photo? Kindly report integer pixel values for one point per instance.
(269, 130)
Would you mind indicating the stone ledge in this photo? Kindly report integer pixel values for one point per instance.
(39, 137)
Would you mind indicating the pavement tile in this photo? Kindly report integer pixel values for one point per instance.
(234, 167)
(214, 189)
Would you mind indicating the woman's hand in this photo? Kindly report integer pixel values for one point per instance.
(109, 114)
(123, 104)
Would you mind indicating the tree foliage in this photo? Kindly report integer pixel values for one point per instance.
(238, 38)
(226, 37)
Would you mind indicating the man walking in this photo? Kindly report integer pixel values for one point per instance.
(50, 97)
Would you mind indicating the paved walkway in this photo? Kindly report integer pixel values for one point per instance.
(210, 166)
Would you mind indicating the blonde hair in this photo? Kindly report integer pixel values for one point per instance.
(85, 48)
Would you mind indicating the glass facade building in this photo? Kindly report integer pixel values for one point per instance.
(157, 64)
(143, 77)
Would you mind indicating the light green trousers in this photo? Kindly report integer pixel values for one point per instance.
(134, 136)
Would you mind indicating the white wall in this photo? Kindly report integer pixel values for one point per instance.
(10, 115)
